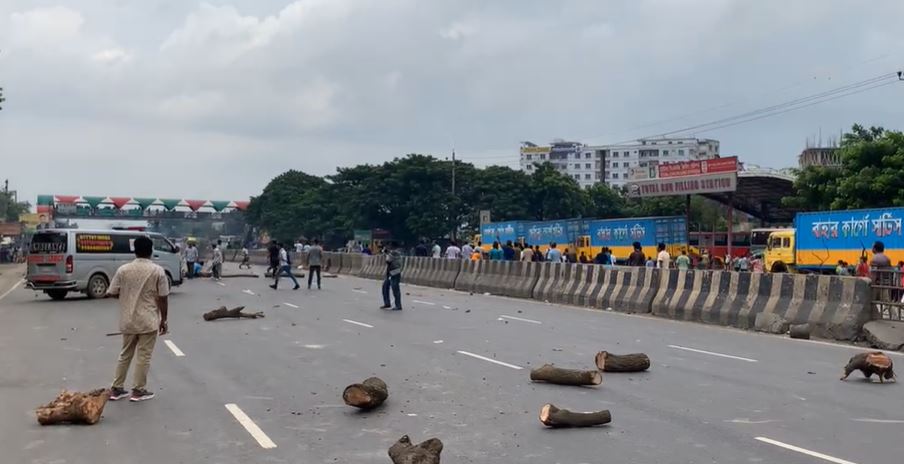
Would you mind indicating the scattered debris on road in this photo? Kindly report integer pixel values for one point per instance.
(74, 408)
(875, 362)
(366, 395)
(559, 376)
(222, 312)
(554, 417)
(634, 362)
(427, 452)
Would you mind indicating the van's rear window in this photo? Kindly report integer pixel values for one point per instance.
(48, 243)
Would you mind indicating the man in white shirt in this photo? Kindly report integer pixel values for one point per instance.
(663, 259)
(452, 251)
(437, 251)
(285, 267)
(467, 250)
(299, 247)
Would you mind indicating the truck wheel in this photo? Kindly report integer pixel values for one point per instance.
(97, 286)
(56, 294)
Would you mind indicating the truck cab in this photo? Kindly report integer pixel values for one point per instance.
(780, 248)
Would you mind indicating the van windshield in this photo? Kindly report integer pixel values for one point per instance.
(48, 243)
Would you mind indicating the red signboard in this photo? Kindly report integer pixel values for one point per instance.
(698, 167)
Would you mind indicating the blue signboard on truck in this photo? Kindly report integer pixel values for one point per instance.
(501, 232)
(619, 235)
(825, 237)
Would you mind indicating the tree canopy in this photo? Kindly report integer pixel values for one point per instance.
(872, 161)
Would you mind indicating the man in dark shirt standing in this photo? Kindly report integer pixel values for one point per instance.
(421, 250)
(880, 260)
(273, 255)
(637, 257)
(508, 251)
(315, 258)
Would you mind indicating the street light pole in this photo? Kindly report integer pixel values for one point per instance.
(455, 227)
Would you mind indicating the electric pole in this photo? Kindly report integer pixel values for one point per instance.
(455, 203)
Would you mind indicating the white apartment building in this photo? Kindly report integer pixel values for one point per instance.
(612, 164)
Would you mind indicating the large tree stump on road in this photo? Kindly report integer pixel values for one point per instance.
(403, 452)
(74, 408)
(366, 395)
(222, 312)
(557, 375)
(634, 362)
(875, 362)
(554, 417)
(801, 331)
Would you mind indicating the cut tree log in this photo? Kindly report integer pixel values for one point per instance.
(427, 452)
(222, 312)
(554, 417)
(801, 331)
(227, 276)
(634, 362)
(366, 395)
(559, 376)
(74, 408)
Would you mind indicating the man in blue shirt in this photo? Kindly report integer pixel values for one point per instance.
(553, 255)
(496, 254)
(508, 251)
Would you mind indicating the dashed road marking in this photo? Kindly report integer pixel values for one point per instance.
(798, 449)
(249, 292)
(358, 323)
(15, 286)
(437, 341)
(175, 349)
(290, 305)
(360, 291)
(711, 353)
(250, 426)
(423, 302)
(221, 284)
(519, 319)
(484, 358)
(879, 421)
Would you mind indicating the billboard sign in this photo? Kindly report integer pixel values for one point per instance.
(534, 150)
(850, 230)
(501, 232)
(688, 177)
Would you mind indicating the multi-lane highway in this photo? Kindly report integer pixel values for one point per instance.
(268, 390)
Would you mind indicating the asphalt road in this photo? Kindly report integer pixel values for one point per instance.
(457, 368)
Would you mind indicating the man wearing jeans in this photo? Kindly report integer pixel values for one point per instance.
(142, 289)
(315, 258)
(285, 267)
(393, 278)
(191, 257)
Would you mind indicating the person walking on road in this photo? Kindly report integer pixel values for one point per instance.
(246, 258)
(142, 289)
(273, 256)
(637, 257)
(452, 251)
(663, 259)
(496, 254)
(216, 263)
(393, 278)
(285, 267)
(437, 250)
(191, 257)
(315, 258)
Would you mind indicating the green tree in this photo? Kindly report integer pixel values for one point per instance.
(288, 206)
(555, 195)
(10, 209)
(605, 202)
(815, 188)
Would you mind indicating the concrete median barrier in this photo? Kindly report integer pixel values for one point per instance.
(549, 283)
(468, 275)
(624, 289)
(507, 278)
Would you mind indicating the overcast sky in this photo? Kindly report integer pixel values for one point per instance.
(176, 98)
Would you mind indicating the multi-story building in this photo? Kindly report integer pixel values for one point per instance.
(814, 156)
(613, 164)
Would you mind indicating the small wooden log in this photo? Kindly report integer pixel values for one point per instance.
(74, 408)
(801, 331)
(227, 276)
(236, 312)
(634, 362)
(554, 417)
(366, 395)
(427, 452)
(559, 376)
(875, 362)
(297, 274)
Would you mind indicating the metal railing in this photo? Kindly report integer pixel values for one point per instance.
(888, 294)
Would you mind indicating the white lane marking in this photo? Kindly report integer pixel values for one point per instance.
(250, 426)
(15, 286)
(751, 422)
(360, 291)
(447, 307)
(677, 347)
(437, 341)
(825, 457)
(484, 358)
(221, 284)
(423, 302)
(358, 323)
(290, 305)
(248, 292)
(879, 421)
(315, 347)
(519, 319)
(411, 415)
(175, 349)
